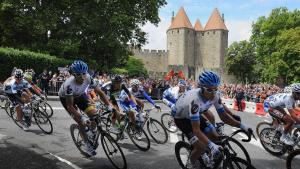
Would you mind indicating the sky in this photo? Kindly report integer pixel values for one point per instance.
(239, 16)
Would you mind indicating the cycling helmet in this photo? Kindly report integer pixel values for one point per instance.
(18, 73)
(79, 66)
(209, 78)
(135, 82)
(296, 87)
(117, 79)
(182, 83)
(28, 76)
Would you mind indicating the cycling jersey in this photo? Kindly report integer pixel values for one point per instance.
(192, 104)
(71, 88)
(12, 87)
(171, 95)
(141, 92)
(283, 100)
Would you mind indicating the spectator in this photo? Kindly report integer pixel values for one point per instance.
(44, 78)
(239, 96)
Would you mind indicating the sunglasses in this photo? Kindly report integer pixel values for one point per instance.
(208, 90)
(79, 74)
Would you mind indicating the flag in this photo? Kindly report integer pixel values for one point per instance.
(181, 75)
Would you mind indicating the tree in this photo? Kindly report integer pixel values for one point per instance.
(276, 39)
(240, 60)
(135, 67)
(94, 29)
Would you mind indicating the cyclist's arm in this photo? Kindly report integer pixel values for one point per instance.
(102, 96)
(129, 94)
(225, 116)
(147, 97)
(167, 99)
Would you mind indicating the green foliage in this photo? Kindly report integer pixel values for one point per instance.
(240, 61)
(93, 30)
(277, 43)
(118, 71)
(135, 67)
(10, 58)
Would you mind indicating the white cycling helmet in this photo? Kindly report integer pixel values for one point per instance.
(296, 87)
(135, 82)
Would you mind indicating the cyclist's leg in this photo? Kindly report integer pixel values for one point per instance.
(198, 147)
(279, 113)
(208, 129)
(140, 103)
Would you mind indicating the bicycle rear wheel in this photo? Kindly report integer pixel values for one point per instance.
(47, 108)
(113, 151)
(271, 143)
(139, 138)
(77, 138)
(236, 163)
(260, 126)
(43, 122)
(168, 123)
(293, 160)
(157, 131)
(13, 115)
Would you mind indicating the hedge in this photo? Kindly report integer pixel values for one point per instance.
(10, 58)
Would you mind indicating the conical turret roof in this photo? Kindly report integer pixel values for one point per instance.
(198, 26)
(181, 20)
(215, 21)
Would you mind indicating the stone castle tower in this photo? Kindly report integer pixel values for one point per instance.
(194, 48)
(191, 49)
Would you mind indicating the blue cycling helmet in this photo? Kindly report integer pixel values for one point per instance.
(209, 78)
(79, 66)
(182, 83)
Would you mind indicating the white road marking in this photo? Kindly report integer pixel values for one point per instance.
(173, 138)
(56, 108)
(2, 136)
(65, 161)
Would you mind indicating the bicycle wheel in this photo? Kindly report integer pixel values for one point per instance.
(47, 108)
(236, 149)
(261, 126)
(296, 134)
(113, 151)
(157, 131)
(77, 138)
(182, 153)
(270, 141)
(293, 160)
(43, 122)
(139, 138)
(168, 123)
(236, 163)
(8, 107)
(13, 115)
(3, 101)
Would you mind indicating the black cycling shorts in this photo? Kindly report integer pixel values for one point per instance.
(186, 127)
(15, 101)
(81, 102)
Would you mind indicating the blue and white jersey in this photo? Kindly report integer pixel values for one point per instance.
(171, 95)
(12, 87)
(191, 104)
(284, 100)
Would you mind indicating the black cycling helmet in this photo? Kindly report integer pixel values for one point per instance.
(18, 73)
(117, 79)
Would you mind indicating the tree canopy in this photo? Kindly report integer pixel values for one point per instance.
(276, 43)
(96, 29)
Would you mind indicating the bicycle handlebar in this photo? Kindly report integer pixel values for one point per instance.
(249, 134)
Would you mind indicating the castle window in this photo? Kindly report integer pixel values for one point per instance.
(172, 32)
(170, 43)
(202, 34)
(214, 32)
(208, 33)
(177, 31)
(188, 31)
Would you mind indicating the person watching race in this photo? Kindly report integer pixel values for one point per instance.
(189, 108)
(73, 95)
(275, 105)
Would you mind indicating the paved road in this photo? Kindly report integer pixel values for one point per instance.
(33, 149)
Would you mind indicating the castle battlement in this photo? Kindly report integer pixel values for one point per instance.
(149, 51)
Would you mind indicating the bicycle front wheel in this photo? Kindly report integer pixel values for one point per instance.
(157, 131)
(182, 152)
(260, 126)
(43, 122)
(139, 138)
(46, 107)
(293, 160)
(269, 139)
(236, 163)
(113, 151)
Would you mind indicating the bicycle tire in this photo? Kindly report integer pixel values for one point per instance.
(178, 146)
(154, 124)
(233, 140)
(228, 163)
(266, 131)
(296, 133)
(261, 124)
(290, 158)
(116, 148)
(7, 108)
(166, 123)
(132, 137)
(12, 113)
(38, 115)
(44, 108)
(75, 137)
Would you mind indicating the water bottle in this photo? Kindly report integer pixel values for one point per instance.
(206, 160)
(89, 133)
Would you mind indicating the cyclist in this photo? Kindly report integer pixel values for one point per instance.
(73, 95)
(189, 108)
(275, 105)
(19, 91)
(137, 91)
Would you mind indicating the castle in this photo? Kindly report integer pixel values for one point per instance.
(191, 49)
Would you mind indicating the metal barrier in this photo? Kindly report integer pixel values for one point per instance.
(54, 87)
